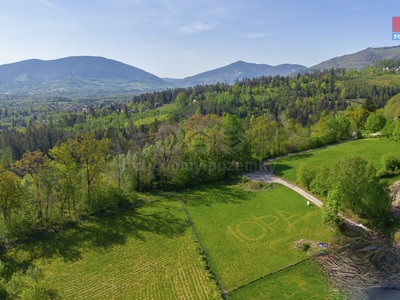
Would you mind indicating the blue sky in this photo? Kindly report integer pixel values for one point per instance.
(177, 38)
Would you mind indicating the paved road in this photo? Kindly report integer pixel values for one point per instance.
(268, 177)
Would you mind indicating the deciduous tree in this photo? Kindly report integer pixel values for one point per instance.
(91, 154)
(9, 192)
(33, 164)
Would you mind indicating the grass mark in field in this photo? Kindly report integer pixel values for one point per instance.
(249, 235)
(257, 228)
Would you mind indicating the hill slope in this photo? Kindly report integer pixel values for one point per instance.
(76, 75)
(359, 60)
(237, 70)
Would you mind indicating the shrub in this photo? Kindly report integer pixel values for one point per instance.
(391, 163)
(388, 129)
(375, 122)
(244, 179)
(305, 175)
(109, 198)
(313, 179)
(305, 247)
(320, 183)
(361, 190)
(392, 108)
(333, 204)
(395, 130)
(254, 186)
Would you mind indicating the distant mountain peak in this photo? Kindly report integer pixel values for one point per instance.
(239, 62)
(234, 71)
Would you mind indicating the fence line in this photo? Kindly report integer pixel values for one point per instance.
(272, 273)
(221, 287)
(224, 292)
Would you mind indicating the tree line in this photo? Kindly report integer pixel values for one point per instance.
(63, 170)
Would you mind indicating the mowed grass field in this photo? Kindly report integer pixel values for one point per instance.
(150, 252)
(303, 281)
(249, 235)
(371, 150)
(144, 253)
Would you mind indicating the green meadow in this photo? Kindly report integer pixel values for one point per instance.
(371, 150)
(303, 281)
(150, 252)
(249, 235)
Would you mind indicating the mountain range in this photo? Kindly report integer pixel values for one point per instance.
(93, 76)
(359, 60)
(237, 70)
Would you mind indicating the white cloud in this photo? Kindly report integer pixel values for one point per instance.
(198, 27)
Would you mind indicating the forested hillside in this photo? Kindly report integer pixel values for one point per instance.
(361, 59)
(236, 71)
(62, 163)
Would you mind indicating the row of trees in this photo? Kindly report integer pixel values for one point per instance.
(352, 184)
(40, 190)
(84, 175)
